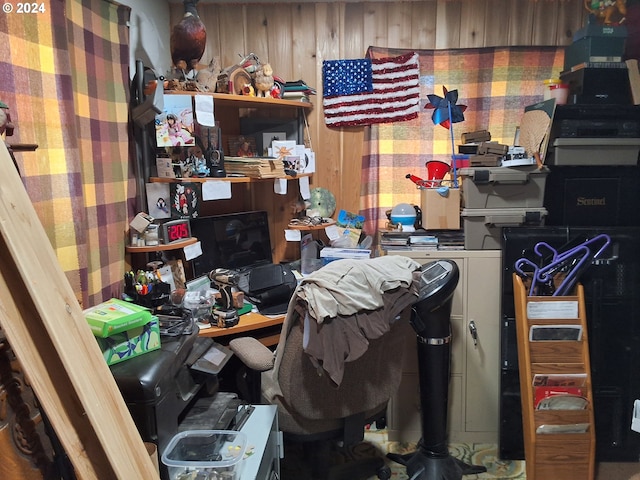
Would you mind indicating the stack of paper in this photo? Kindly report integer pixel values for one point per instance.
(255, 167)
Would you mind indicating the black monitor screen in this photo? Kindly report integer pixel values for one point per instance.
(237, 241)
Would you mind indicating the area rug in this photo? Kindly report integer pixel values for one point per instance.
(376, 444)
(484, 454)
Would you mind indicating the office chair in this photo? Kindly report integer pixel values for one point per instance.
(363, 307)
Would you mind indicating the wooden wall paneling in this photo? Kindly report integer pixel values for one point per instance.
(355, 46)
(545, 27)
(47, 331)
(571, 17)
(497, 24)
(256, 38)
(399, 26)
(232, 37)
(448, 16)
(328, 152)
(472, 24)
(353, 28)
(521, 23)
(305, 66)
(280, 38)
(423, 24)
(209, 14)
(375, 24)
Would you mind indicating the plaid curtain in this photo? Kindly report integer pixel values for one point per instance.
(64, 75)
(495, 84)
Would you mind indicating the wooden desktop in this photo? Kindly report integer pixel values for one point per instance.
(264, 328)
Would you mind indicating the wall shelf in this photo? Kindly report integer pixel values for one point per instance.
(223, 179)
(162, 247)
(245, 101)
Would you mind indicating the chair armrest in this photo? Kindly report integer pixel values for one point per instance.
(252, 353)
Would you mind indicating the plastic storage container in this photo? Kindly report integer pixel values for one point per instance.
(206, 454)
(503, 187)
(483, 227)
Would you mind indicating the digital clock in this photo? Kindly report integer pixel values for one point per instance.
(176, 230)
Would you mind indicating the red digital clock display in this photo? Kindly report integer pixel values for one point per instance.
(176, 230)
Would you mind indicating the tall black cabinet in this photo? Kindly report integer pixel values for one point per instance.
(612, 292)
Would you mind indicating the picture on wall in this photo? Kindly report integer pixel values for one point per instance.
(242, 146)
(175, 125)
(158, 200)
(185, 199)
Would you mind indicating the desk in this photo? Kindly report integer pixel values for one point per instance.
(265, 329)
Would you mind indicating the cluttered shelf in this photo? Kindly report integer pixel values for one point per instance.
(224, 179)
(246, 101)
(161, 247)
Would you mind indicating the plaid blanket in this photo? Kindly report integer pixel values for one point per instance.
(64, 75)
(495, 84)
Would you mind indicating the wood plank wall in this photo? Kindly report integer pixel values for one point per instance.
(296, 37)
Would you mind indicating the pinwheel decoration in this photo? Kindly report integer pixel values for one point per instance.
(446, 112)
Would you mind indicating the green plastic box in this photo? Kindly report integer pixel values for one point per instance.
(131, 343)
(115, 316)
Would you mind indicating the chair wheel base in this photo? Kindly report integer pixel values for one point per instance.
(421, 466)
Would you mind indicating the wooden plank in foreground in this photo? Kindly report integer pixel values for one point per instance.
(45, 326)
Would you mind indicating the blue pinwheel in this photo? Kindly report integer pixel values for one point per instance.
(446, 113)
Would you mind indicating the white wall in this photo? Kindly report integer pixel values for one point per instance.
(149, 32)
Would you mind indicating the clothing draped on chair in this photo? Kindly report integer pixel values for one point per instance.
(64, 75)
(495, 83)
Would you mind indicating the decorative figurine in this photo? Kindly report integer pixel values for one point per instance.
(263, 80)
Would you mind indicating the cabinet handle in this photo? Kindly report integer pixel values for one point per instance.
(474, 332)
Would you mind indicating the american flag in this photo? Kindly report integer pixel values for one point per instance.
(353, 95)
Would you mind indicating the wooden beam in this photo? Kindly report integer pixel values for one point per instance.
(46, 328)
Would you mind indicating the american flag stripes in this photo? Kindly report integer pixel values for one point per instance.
(395, 95)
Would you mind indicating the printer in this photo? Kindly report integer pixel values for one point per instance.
(176, 387)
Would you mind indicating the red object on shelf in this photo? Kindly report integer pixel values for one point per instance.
(418, 181)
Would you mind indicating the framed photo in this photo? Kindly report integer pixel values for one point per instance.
(265, 129)
(268, 138)
(185, 199)
(242, 146)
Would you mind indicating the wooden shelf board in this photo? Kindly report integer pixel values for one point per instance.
(245, 101)
(223, 179)
(162, 247)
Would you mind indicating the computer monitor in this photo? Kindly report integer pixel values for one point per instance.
(238, 241)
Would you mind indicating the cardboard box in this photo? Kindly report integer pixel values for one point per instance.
(131, 343)
(440, 212)
(115, 316)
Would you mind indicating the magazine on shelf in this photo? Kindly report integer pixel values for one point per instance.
(560, 398)
(555, 333)
(560, 379)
